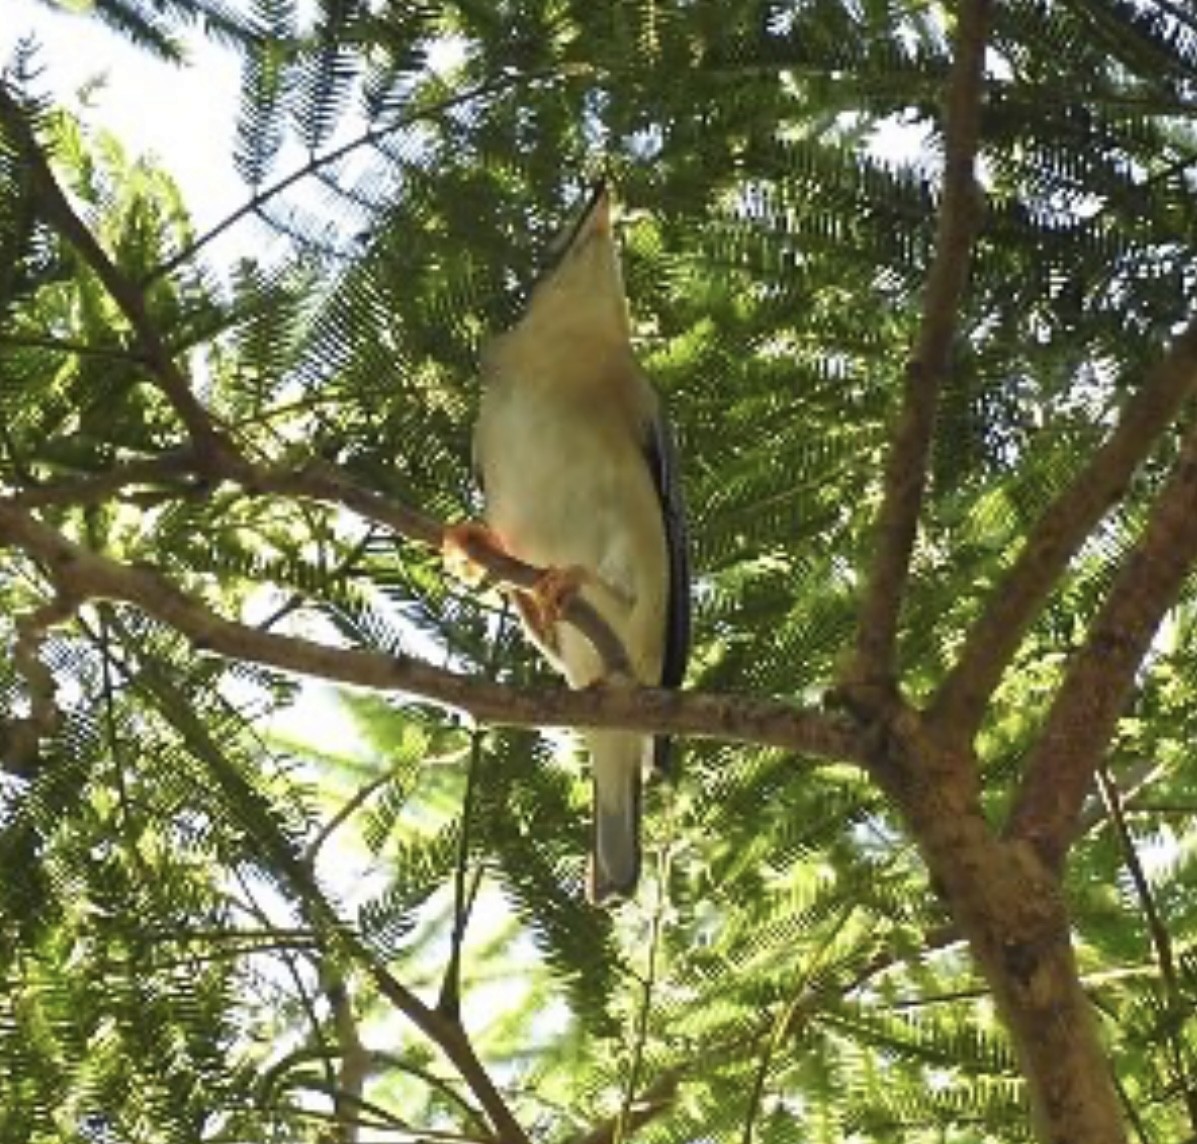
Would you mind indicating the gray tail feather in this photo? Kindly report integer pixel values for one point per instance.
(615, 857)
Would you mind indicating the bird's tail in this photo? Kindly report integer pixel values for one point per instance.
(617, 759)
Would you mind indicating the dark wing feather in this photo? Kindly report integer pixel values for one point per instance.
(661, 454)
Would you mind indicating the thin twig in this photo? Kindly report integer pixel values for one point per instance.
(1161, 943)
(345, 812)
(625, 1122)
(68, 346)
(448, 1035)
(1059, 534)
(289, 958)
(372, 136)
(98, 487)
(906, 466)
(449, 1001)
(464, 897)
(786, 1023)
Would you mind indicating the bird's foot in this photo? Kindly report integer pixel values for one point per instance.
(556, 587)
(543, 607)
(463, 547)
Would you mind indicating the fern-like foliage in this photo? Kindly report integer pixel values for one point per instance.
(208, 897)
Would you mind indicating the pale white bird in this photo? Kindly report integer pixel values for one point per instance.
(579, 473)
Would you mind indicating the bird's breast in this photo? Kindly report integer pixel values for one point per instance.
(567, 483)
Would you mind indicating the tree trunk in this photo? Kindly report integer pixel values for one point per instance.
(1008, 904)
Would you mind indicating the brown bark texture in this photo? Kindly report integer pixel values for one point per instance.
(1008, 904)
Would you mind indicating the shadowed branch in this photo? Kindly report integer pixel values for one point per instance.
(1059, 534)
(906, 467)
(1101, 675)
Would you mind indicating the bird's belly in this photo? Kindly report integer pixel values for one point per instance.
(567, 484)
(564, 492)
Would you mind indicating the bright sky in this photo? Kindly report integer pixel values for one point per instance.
(184, 116)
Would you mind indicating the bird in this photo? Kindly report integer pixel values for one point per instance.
(579, 474)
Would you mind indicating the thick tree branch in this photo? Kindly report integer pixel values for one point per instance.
(88, 575)
(906, 467)
(1097, 683)
(1009, 906)
(1059, 533)
(54, 206)
(323, 482)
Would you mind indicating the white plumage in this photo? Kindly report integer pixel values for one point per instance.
(577, 470)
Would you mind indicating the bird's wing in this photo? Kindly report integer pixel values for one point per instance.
(661, 455)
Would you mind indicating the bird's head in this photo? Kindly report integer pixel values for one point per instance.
(582, 287)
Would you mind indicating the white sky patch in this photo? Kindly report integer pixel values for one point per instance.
(447, 54)
(181, 117)
(900, 143)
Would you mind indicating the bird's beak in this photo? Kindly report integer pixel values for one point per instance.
(593, 220)
(596, 215)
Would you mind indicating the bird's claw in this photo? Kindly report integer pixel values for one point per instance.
(543, 606)
(556, 587)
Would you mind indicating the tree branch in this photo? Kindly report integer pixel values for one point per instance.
(448, 1034)
(906, 467)
(1161, 942)
(55, 207)
(1059, 533)
(98, 487)
(89, 575)
(320, 481)
(1095, 688)
(349, 1090)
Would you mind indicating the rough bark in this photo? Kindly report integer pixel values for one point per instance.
(1009, 906)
